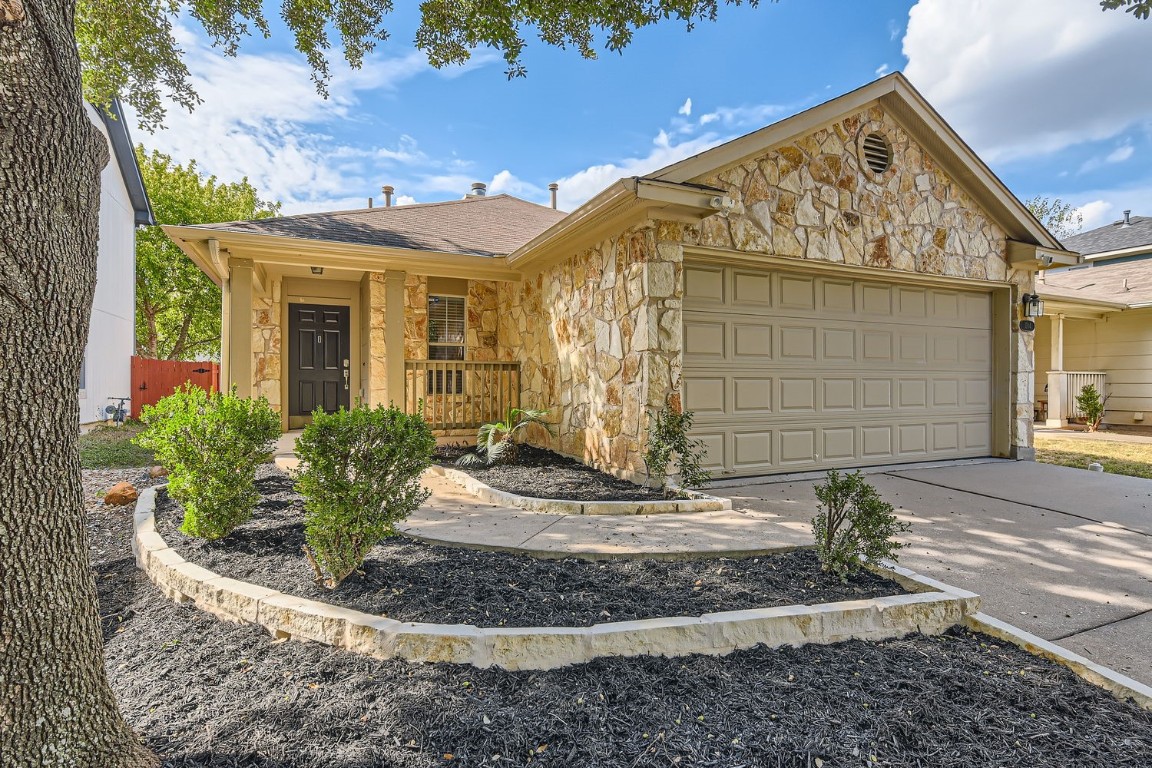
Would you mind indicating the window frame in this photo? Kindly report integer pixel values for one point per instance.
(437, 385)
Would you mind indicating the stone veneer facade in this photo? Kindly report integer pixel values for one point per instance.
(598, 340)
(598, 334)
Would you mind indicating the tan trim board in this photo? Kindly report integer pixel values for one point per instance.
(722, 256)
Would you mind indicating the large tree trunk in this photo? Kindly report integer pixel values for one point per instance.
(56, 707)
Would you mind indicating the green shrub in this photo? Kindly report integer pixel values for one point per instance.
(1092, 406)
(211, 445)
(668, 439)
(359, 475)
(496, 443)
(853, 523)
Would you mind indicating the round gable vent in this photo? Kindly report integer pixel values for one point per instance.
(877, 153)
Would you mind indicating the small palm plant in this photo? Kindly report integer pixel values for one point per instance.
(496, 443)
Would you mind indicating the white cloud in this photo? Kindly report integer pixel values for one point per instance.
(881, 70)
(686, 109)
(1096, 213)
(577, 188)
(747, 116)
(262, 118)
(1120, 154)
(1020, 78)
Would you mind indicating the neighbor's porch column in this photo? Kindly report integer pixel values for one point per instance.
(239, 366)
(1057, 381)
(394, 337)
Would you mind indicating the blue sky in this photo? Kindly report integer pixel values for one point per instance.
(1054, 94)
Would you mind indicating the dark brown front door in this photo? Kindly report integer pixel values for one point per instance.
(318, 358)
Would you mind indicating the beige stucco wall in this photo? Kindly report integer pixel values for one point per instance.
(813, 200)
(1121, 346)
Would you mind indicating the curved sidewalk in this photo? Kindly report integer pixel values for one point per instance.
(453, 516)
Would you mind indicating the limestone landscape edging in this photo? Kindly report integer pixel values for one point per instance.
(696, 501)
(537, 648)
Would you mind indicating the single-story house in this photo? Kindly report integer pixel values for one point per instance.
(107, 367)
(1097, 326)
(840, 288)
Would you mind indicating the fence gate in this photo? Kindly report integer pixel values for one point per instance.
(154, 379)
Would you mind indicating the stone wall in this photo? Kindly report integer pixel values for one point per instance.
(598, 340)
(814, 199)
(266, 347)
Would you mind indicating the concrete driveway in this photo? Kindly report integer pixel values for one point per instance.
(1063, 553)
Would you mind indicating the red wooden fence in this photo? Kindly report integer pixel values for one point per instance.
(154, 379)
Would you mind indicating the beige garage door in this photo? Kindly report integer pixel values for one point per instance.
(792, 371)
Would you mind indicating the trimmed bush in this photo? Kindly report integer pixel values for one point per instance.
(359, 475)
(211, 444)
(853, 523)
(667, 441)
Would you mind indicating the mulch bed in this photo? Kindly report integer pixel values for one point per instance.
(412, 581)
(543, 474)
(209, 694)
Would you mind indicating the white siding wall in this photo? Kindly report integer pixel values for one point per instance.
(111, 334)
(1121, 346)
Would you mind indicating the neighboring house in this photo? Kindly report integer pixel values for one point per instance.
(106, 370)
(840, 288)
(1097, 327)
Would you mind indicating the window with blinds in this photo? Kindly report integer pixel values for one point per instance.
(446, 342)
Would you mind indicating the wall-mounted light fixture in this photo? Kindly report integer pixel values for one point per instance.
(317, 270)
(1033, 305)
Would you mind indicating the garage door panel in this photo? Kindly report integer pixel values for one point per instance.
(839, 344)
(752, 394)
(752, 288)
(876, 300)
(809, 372)
(753, 449)
(704, 339)
(705, 284)
(752, 340)
(798, 342)
(797, 292)
(839, 297)
(705, 394)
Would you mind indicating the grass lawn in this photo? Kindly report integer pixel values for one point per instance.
(112, 448)
(1134, 459)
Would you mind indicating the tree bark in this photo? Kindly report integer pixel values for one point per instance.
(56, 706)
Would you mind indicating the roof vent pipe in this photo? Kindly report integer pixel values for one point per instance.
(387, 190)
(552, 188)
(479, 189)
(1128, 218)
(369, 202)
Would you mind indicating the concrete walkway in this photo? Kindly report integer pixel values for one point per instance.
(1063, 553)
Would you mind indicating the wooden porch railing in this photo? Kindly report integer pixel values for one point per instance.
(461, 394)
(1074, 381)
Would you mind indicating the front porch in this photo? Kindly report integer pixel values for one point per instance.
(1062, 340)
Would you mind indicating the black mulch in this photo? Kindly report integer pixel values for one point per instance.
(412, 581)
(543, 474)
(206, 693)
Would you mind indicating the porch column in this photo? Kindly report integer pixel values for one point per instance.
(1057, 381)
(394, 337)
(238, 371)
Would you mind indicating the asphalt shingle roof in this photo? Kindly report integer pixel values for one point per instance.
(494, 225)
(1113, 237)
(1126, 282)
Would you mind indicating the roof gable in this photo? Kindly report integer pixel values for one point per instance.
(905, 104)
